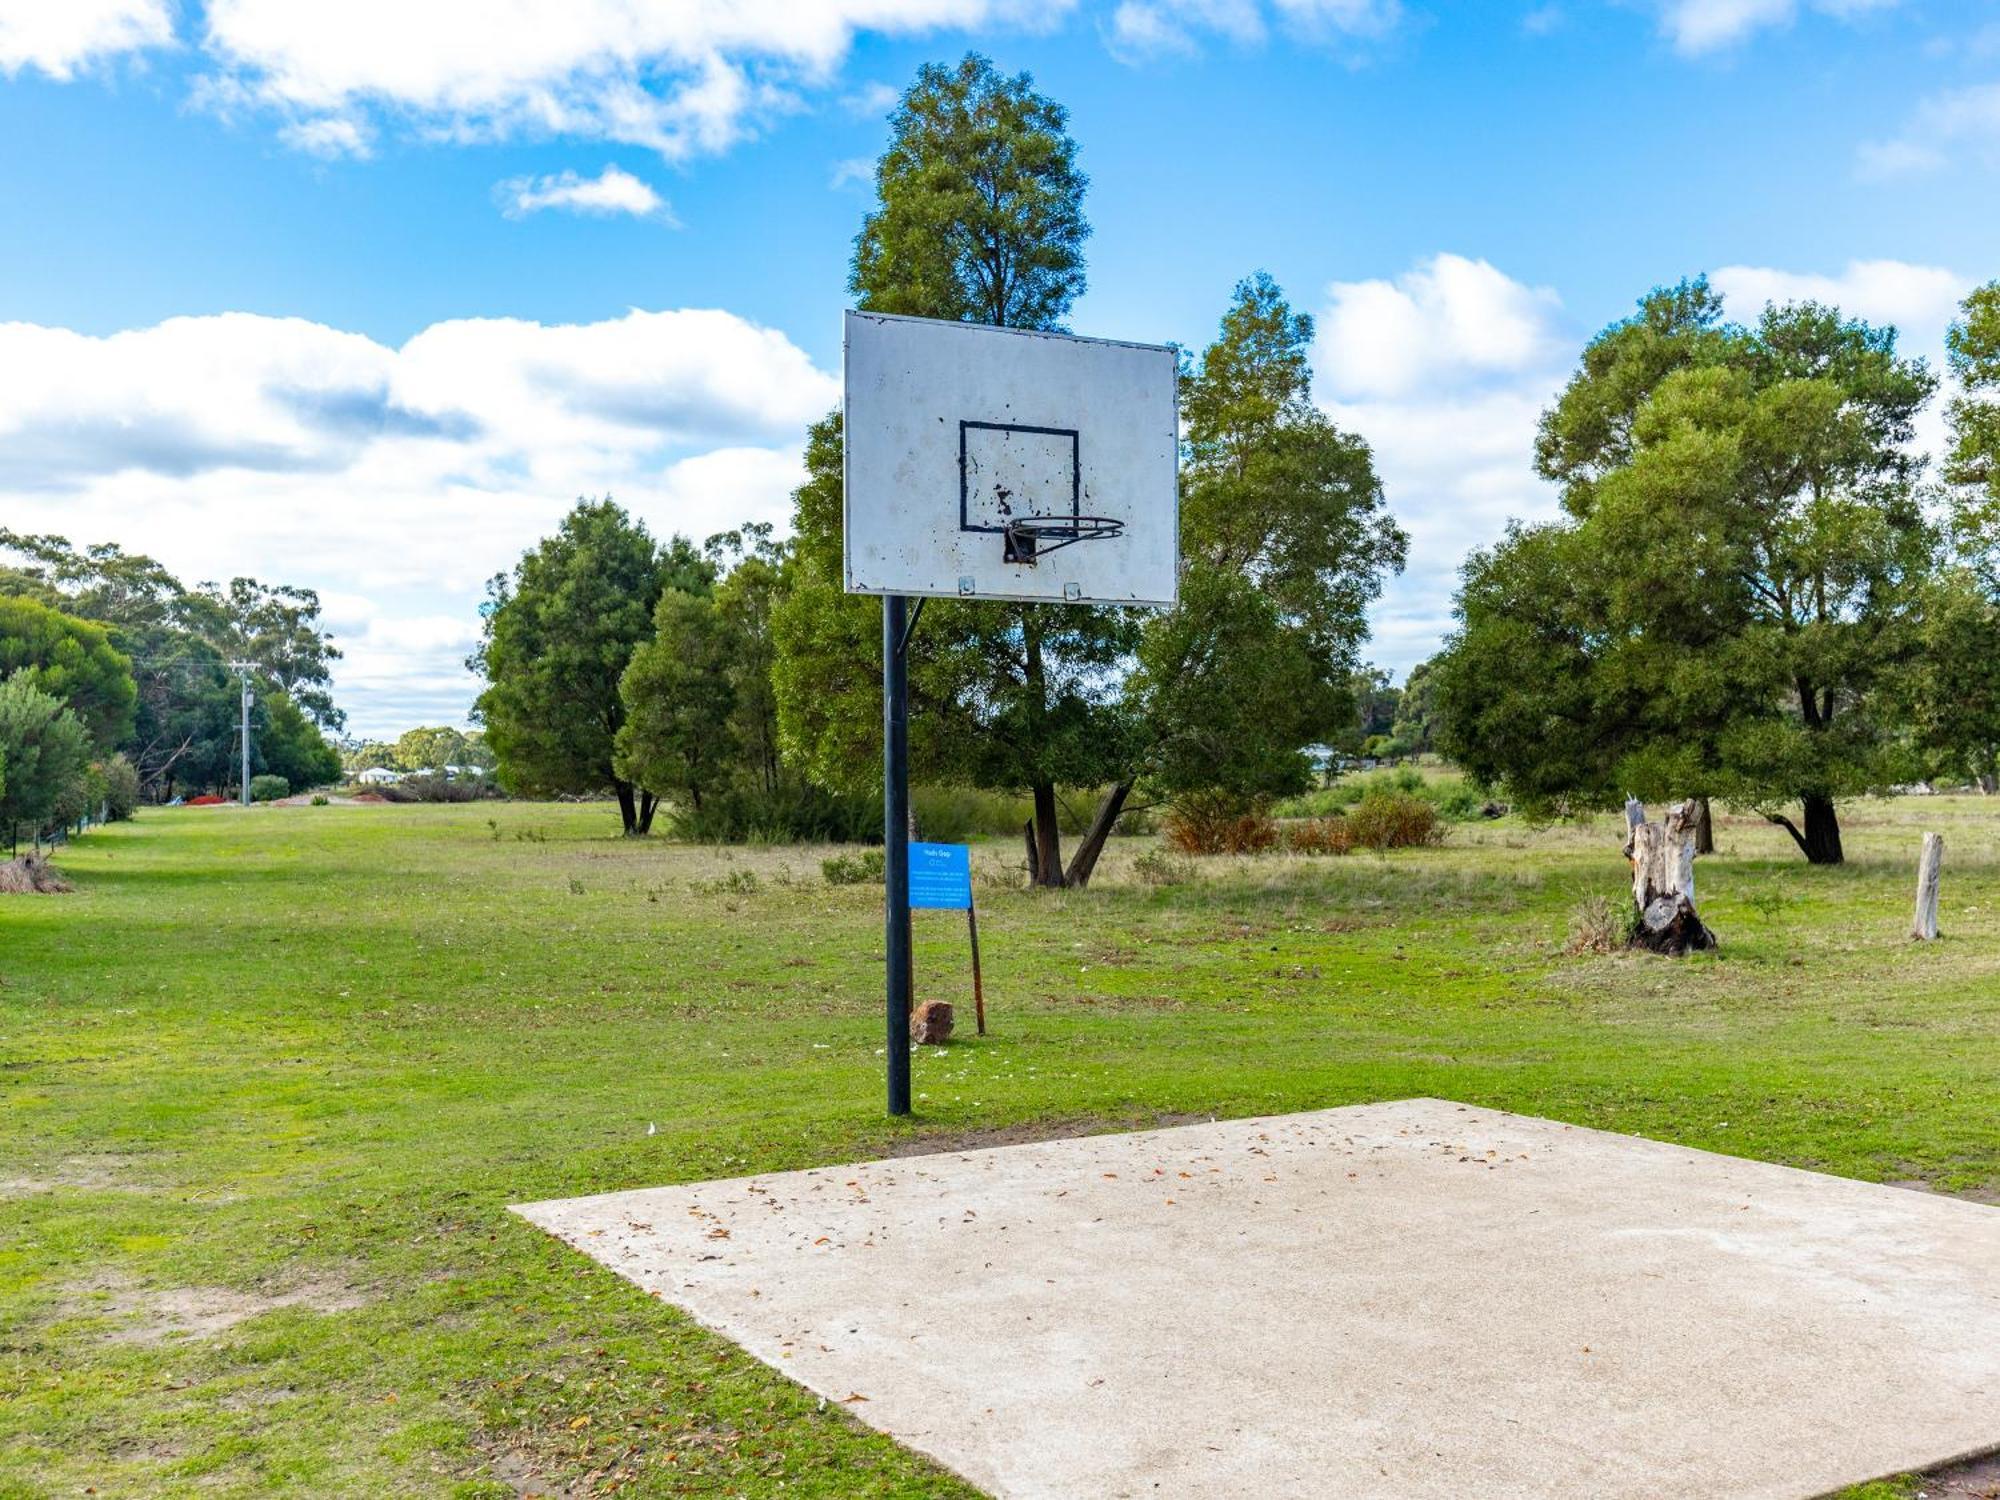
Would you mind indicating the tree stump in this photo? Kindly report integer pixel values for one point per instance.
(930, 1023)
(1930, 865)
(1662, 857)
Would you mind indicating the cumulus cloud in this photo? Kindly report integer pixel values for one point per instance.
(1140, 29)
(1957, 121)
(1444, 369)
(680, 77)
(613, 191)
(1696, 26)
(66, 38)
(396, 480)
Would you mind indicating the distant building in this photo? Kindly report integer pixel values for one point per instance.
(379, 776)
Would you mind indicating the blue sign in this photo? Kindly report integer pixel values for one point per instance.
(941, 877)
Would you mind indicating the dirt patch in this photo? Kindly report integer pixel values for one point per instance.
(1990, 1193)
(158, 1315)
(86, 1174)
(1027, 1132)
(516, 1470)
(1977, 1480)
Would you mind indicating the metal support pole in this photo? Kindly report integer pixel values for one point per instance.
(978, 989)
(896, 846)
(245, 789)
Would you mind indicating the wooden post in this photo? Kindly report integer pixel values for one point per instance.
(1930, 865)
(978, 989)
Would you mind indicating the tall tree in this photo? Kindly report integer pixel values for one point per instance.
(74, 662)
(1737, 587)
(276, 628)
(46, 751)
(1284, 542)
(978, 217)
(679, 737)
(559, 634)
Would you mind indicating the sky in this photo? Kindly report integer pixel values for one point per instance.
(362, 295)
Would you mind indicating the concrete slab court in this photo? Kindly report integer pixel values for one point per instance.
(1396, 1301)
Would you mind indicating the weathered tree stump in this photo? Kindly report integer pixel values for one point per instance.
(1662, 857)
(1930, 865)
(30, 874)
(930, 1023)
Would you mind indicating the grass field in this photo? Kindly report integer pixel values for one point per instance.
(268, 1080)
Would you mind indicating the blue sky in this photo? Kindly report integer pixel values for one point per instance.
(360, 295)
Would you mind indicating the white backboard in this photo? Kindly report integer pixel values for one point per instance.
(955, 430)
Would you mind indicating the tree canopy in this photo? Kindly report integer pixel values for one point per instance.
(45, 752)
(72, 661)
(1738, 582)
(559, 634)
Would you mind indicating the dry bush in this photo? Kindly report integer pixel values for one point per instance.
(1319, 836)
(1395, 820)
(1158, 867)
(1216, 823)
(1595, 926)
(31, 874)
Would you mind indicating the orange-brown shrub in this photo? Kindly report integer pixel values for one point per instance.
(1319, 836)
(1214, 823)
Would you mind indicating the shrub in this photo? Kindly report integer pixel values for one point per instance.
(319, 799)
(862, 867)
(798, 814)
(121, 788)
(1218, 823)
(269, 788)
(430, 787)
(1319, 836)
(1594, 927)
(1163, 867)
(1394, 820)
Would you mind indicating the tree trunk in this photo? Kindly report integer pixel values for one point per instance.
(1820, 843)
(1084, 861)
(1663, 886)
(627, 807)
(648, 805)
(1047, 868)
(1704, 827)
(1930, 865)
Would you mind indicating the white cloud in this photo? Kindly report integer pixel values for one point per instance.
(330, 136)
(680, 77)
(65, 37)
(1696, 26)
(875, 98)
(1146, 28)
(612, 191)
(852, 169)
(1446, 320)
(1919, 300)
(1444, 369)
(1945, 124)
(395, 480)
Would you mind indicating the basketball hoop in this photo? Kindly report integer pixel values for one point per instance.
(1031, 537)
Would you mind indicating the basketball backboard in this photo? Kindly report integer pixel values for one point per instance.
(998, 463)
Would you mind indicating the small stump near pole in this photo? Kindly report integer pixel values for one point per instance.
(1930, 865)
(1662, 857)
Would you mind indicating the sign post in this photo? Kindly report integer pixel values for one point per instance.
(941, 880)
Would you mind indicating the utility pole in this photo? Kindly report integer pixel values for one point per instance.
(243, 674)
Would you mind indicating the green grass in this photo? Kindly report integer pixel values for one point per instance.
(301, 1059)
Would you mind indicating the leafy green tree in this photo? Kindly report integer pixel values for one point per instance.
(979, 204)
(679, 736)
(559, 634)
(429, 749)
(979, 217)
(1972, 465)
(276, 628)
(285, 742)
(1284, 542)
(1737, 587)
(73, 661)
(1953, 682)
(46, 750)
(1415, 725)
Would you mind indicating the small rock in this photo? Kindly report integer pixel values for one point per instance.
(930, 1023)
